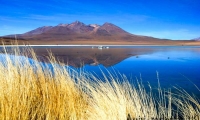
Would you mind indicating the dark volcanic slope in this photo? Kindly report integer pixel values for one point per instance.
(37, 31)
(112, 29)
(79, 33)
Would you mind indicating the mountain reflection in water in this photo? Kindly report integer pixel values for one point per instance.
(78, 57)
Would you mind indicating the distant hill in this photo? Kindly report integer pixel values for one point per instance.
(80, 33)
(197, 39)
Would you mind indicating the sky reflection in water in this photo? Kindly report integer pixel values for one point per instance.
(176, 66)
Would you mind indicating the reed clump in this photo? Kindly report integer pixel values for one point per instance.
(31, 89)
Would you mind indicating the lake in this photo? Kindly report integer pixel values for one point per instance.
(177, 66)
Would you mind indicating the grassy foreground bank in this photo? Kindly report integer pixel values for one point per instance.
(32, 90)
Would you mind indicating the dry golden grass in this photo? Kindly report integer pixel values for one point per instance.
(32, 90)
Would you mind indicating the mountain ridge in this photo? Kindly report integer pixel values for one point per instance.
(80, 33)
(106, 29)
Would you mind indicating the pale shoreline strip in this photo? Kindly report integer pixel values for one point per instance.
(83, 45)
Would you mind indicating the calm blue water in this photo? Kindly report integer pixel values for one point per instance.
(176, 66)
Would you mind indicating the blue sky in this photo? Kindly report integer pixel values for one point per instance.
(172, 19)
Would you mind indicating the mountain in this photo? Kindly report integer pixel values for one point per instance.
(37, 31)
(112, 29)
(80, 33)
